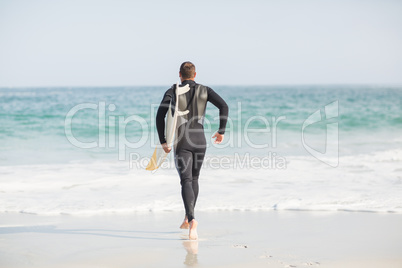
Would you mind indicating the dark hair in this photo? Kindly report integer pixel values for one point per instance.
(187, 70)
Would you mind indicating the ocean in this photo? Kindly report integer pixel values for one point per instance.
(297, 147)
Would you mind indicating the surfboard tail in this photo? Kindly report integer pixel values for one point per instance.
(152, 165)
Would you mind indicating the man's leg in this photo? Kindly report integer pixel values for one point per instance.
(198, 158)
(184, 164)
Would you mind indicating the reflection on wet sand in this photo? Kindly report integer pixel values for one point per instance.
(191, 246)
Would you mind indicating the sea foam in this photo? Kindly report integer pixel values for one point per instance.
(365, 182)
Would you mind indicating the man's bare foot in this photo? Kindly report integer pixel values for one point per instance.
(192, 235)
(185, 224)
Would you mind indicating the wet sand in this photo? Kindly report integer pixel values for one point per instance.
(226, 239)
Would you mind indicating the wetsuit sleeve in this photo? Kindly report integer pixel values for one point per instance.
(160, 115)
(216, 100)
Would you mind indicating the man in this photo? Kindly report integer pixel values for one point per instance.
(190, 145)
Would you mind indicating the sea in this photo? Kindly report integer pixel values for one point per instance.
(83, 150)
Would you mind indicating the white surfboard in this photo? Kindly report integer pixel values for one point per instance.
(159, 154)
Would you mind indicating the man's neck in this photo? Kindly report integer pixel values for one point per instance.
(187, 79)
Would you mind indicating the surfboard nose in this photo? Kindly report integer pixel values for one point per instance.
(182, 90)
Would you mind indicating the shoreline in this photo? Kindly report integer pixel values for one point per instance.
(226, 239)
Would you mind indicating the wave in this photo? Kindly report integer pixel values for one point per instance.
(367, 182)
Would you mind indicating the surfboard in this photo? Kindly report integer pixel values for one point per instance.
(159, 154)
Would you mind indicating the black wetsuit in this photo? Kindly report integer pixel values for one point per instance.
(189, 151)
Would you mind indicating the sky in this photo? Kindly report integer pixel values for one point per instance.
(128, 43)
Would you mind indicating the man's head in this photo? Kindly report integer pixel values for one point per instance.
(187, 71)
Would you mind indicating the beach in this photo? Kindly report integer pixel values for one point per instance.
(297, 192)
(226, 239)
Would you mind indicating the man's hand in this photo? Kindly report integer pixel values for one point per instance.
(166, 148)
(219, 137)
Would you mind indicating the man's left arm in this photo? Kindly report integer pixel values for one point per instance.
(216, 100)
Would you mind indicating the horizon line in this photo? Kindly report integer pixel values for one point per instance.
(214, 85)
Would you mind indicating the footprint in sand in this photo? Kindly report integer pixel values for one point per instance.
(239, 246)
